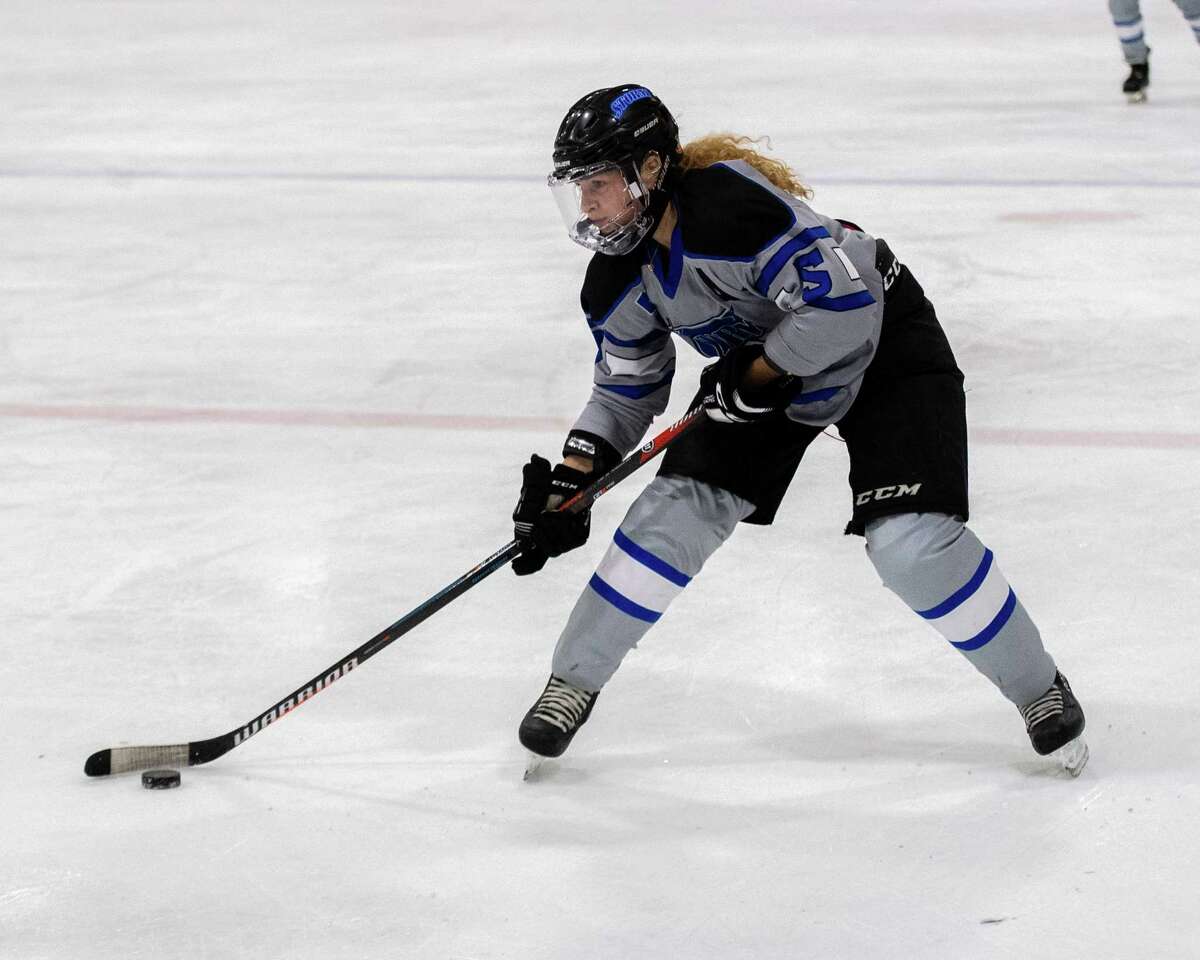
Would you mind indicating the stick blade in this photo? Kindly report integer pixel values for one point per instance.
(98, 764)
(127, 759)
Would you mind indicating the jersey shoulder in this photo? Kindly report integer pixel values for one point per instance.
(607, 281)
(731, 210)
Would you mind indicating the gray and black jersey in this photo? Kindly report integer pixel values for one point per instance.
(748, 262)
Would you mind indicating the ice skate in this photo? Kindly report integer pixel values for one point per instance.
(1136, 83)
(1055, 724)
(553, 720)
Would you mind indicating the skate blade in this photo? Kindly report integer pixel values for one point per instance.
(1073, 756)
(533, 763)
(1139, 97)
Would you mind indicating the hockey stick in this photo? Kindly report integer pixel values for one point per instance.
(125, 759)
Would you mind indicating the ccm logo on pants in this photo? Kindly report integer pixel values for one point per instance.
(886, 493)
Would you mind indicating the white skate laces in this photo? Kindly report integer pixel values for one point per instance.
(1048, 705)
(562, 704)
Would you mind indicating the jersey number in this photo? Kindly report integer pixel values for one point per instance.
(819, 279)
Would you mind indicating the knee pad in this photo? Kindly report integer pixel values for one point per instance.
(683, 520)
(900, 543)
(937, 566)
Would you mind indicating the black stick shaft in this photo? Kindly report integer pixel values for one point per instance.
(124, 759)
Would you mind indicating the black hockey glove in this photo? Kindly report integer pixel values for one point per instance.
(542, 531)
(727, 401)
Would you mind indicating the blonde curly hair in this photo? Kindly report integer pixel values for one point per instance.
(716, 147)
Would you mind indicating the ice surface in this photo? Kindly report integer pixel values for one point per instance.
(284, 305)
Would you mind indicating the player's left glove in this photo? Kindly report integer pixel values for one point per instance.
(540, 529)
(727, 399)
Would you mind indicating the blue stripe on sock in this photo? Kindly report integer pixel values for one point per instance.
(622, 602)
(992, 628)
(960, 595)
(647, 559)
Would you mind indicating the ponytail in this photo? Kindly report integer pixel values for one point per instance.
(716, 147)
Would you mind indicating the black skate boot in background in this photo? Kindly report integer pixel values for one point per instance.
(1054, 722)
(1137, 81)
(553, 720)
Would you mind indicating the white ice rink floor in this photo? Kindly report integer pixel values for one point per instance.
(284, 306)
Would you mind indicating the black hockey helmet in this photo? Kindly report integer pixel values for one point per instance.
(612, 125)
(614, 128)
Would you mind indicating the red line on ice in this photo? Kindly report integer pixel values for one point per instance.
(1144, 439)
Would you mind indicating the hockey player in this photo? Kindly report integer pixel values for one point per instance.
(811, 321)
(1127, 18)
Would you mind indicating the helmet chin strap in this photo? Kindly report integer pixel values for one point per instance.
(657, 206)
(660, 195)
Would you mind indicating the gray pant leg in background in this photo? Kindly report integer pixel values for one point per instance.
(1191, 12)
(670, 530)
(937, 566)
(1127, 19)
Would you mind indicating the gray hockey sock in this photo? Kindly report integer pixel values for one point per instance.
(1194, 23)
(937, 566)
(664, 540)
(1127, 19)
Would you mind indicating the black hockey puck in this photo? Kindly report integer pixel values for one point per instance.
(160, 779)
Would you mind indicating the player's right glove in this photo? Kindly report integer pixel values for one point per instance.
(540, 529)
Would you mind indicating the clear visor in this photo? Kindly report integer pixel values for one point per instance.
(603, 206)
